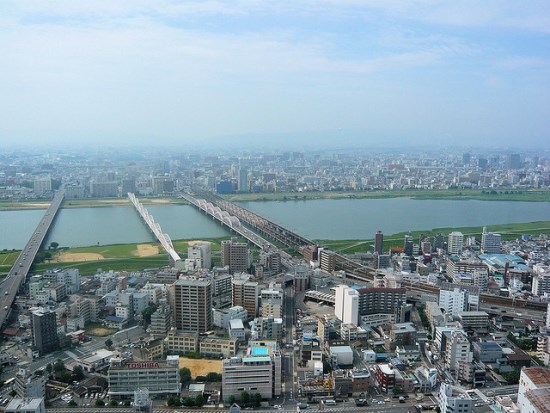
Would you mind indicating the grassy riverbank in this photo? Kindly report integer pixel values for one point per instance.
(454, 194)
(508, 232)
(89, 203)
(116, 257)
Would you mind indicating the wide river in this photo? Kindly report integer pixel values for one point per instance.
(314, 219)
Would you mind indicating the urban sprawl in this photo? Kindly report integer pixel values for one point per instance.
(266, 319)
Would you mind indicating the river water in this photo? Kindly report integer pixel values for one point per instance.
(314, 219)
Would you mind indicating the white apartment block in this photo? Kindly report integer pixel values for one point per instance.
(455, 243)
(450, 402)
(346, 306)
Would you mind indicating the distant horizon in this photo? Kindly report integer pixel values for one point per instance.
(294, 74)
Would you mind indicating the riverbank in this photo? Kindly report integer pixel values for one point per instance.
(139, 256)
(448, 194)
(88, 203)
(508, 232)
(116, 257)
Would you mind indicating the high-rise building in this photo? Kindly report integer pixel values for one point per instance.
(236, 255)
(380, 300)
(408, 245)
(457, 350)
(191, 302)
(327, 260)
(202, 251)
(346, 306)
(44, 331)
(466, 157)
(455, 243)
(379, 242)
(242, 180)
(490, 242)
(245, 292)
(541, 284)
(513, 161)
(42, 185)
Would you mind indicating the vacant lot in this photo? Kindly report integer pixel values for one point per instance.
(99, 331)
(79, 257)
(201, 367)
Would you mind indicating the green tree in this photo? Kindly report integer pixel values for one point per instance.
(257, 400)
(58, 366)
(188, 402)
(230, 400)
(54, 245)
(213, 377)
(72, 403)
(99, 403)
(113, 403)
(108, 343)
(78, 373)
(199, 400)
(396, 390)
(13, 393)
(148, 312)
(245, 398)
(127, 403)
(185, 375)
(49, 368)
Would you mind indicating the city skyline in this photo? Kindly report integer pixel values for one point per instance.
(304, 74)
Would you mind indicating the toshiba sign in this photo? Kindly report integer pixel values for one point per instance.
(144, 365)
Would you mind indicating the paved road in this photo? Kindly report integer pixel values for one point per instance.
(20, 269)
(377, 409)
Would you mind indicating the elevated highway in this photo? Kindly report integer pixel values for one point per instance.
(155, 228)
(18, 274)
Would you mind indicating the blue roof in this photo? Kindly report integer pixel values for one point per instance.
(114, 318)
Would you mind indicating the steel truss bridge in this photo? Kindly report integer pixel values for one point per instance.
(222, 209)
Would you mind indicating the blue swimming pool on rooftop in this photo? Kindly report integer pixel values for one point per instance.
(259, 351)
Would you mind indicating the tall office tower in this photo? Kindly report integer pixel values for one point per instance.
(438, 241)
(455, 243)
(242, 179)
(201, 251)
(408, 245)
(236, 255)
(245, 293)
(379, 242)
(44, 331)
(548, 316)
(191, 302)
(513, 161)
(346, 306)
(482, 163)
(490, 242)
(466, 157)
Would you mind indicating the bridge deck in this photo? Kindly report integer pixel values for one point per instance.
(23, 263)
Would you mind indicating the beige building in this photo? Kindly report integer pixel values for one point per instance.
(258, 372)
(181, 342)
(215, 346)
(245, 293)
(191, 303)
(236, 255)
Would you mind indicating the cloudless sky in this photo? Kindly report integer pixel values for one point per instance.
(186, 73)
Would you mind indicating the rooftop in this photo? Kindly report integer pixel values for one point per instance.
(538, 375)
(540, 399)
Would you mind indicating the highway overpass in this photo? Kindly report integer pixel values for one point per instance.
(18, 274)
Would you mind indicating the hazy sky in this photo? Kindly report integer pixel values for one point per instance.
(349, 71)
